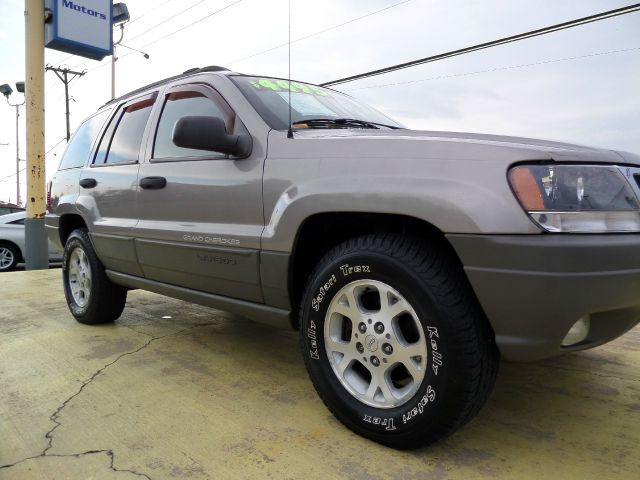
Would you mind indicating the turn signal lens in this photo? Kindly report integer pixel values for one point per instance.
(526, 187)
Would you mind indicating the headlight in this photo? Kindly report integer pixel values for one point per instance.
(577, 198)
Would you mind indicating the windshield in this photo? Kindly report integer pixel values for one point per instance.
(270, 97)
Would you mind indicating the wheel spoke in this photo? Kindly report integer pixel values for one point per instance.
(417, 349)
(392, 311)
(344, 363)
(413, 369)
(346, 305)
(384, 386)
(353, 302)
(372, 390)
(346, 311)
(379, 384)
(338, 346)
(391, 305)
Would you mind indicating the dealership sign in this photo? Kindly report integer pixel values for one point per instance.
(80, 27)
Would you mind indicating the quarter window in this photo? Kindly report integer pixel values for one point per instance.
(80, 144)
(177, 105)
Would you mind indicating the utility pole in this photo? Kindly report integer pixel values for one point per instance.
(17, 105)
(18, 157)
(63, 74)
(37, 256)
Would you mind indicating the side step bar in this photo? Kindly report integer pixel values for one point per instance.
(260, 313)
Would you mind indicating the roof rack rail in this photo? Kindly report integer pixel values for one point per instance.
(210, 68)
(214, 68)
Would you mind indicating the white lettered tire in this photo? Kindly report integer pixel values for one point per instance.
(394, 340)
(91, 296)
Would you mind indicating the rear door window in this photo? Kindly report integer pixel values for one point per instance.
(121, 143)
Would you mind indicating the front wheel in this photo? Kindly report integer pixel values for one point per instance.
(394, 340)
(91, 296)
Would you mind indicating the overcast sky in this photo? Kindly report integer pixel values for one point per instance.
(578, 85)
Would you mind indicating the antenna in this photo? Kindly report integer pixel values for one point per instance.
(290, 131)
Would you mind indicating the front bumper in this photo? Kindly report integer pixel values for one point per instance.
(533, 288)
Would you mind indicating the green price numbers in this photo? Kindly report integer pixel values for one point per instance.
(285, 86)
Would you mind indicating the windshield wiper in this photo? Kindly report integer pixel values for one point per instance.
(340, 123)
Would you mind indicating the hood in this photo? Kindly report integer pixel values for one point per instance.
(459, 142)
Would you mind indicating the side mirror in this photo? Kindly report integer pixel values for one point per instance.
(210, 133)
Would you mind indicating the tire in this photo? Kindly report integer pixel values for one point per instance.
(91, 296)
(9, 257)
(414, 358)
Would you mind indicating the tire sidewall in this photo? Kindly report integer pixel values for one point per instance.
(75, 241)
(426, 404)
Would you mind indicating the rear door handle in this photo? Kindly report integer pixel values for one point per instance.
(153, 183)
(88, 182)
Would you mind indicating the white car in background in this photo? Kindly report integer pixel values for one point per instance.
(12, 242)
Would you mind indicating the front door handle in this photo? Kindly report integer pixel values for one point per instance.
(153, 183)
(88, 182)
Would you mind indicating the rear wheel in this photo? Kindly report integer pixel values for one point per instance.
(9, 256)
(394, 340)
(91, 296)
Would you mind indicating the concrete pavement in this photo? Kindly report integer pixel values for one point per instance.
(174, 390)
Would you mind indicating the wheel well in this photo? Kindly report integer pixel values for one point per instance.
(11, 244)
(321, 232)
(69, 223)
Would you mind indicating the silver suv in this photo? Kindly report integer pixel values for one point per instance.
(408, 260)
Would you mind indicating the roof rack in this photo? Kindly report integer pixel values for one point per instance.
(191, 71)
(210, 68)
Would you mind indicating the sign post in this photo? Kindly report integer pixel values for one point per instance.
(36, 239)
(80, 27)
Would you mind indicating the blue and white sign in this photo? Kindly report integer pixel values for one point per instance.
(81, 27)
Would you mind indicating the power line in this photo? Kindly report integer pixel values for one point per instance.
(4, 179)
(318, 32)
(496, 69)
(192, 23)
(55, 146)
(152, 27)
(172, 17)
(272, 48)
(493, 43)
(155, 8)
(170, 34)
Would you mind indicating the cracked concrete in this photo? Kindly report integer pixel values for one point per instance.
(207, 395)
(80, 465)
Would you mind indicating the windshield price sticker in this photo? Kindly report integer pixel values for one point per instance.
(285, 85)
